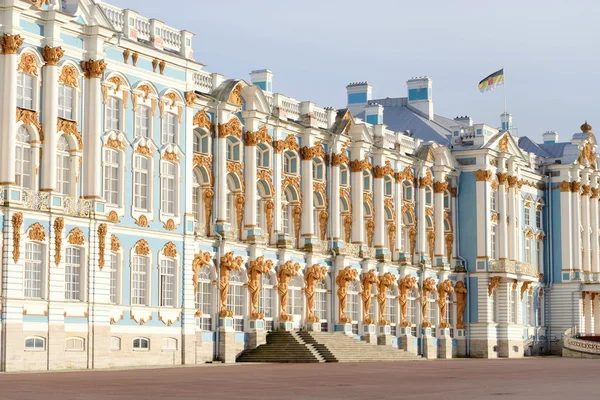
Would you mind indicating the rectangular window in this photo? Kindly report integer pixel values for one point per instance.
(493, 201)
(493, 243)
(265, 304)
(538, 254)
(66, 96)
(514, 301)
(32, 271)
(527, 216)
(169, 134)
(114, 278)
(528, 251)
(23, 166)
(142, 121)
(538, 219)
(140, 183)
(63, 173)
(72, 273)
(167, 283)
(139, 270)
(111, 177)
(25, 91)
(168, 188)
(321, 304)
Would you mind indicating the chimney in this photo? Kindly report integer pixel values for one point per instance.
(550, 137)
(359, 94)
(465, 120)
(263, 78)
(420, 95)
(507, 122)
(374, 114)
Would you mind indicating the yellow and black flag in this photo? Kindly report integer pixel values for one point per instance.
(490, 82)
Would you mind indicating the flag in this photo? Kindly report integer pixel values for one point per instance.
(490, 82)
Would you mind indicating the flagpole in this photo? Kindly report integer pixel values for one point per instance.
(504, 86)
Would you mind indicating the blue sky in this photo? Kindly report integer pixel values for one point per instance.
(548, 49)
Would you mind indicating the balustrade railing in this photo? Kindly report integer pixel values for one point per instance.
(39, 201)
(77, 207)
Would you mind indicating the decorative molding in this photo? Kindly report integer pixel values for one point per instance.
(405, 285)
(161, 66)
(588, 154)
(260, 136)
(440, 187)
(115, 245)
(269, 208)
(170, 156)
(59, 225)
(10, 43)
(240, 202)
(444, 289)
(227, 263)
(289, 143)
(483, 175)
(142, 221)
(69, 76)
(17, 222)
(154, 64)
(461, 304)
(524, 287)
(381, 171)
(76, 237)
(360, 165)
(297, 216)
(207, 196)
(93, 68)
(312, 276)
(143, 150)
(70, 128)
(28, 64)
(235, 97)
(102, 230)
(503, 143)
(405, 175)
(427, 180)
(231, 128)
(52, 55)
(113, 217)
(126, 54)
(169, 225)
(115, 144)
(200, 260)
(170, 250)
(202, 121)
(30, 118)
(134, 58)
(428, 286)
(190, 98)
(36, 232)
(285, 272)
(142, 248)
(494, 281)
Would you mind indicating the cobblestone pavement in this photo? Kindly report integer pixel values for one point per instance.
(532, 378)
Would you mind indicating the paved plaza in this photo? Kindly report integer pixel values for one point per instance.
(534, 378)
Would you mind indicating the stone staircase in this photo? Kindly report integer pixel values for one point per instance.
(305, 347)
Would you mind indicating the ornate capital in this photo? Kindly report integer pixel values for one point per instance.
(502, 178)
(594, 193)
(483, 175)
(254, 138)
(440, 187)
(52, 55)
(576, 187)
(93, 68)
(586, 190)
(360, 165)
(10, 43)
(512, 181)
(339, 159)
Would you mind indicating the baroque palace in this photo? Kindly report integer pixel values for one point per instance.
(155, 213)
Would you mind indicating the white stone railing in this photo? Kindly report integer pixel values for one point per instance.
(291, 107)
(407, 144)
(77, 207)
(571, 342)
(321, 116)
(171, 38)
(269, 97)
(115, 15)
(509, 266)
(39, 201)
(203, 81)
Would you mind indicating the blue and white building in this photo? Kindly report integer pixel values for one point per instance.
(129, 174)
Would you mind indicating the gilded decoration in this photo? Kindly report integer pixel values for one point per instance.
(431, 242)
(339, 159)
(70, 128)
(502, 178)
(115, 245)
(115, 144)
(368, 280)
(454, 191)
(265, 175)
(52, 55)
(524, 288)
(69, 76)
(231, 128)
(17, 222)
(427, 180)
(494, 281)
(586, 128)
(389, 203)
(344, 277)
(529, 234)
(404, 286)
(40, 3)
(256, 269)
(483, 175)
(588, 154)
(134, 58)
(428, 287)
(59, 225)
(240, 201)
(143, 150)
(405, 175)
(312, 276)
(102, 230)
(161, 66)
(260, 136)
(449, 242)
(269, 212)
(170, 156)
(169, 225)
(370, 227)
(113, 217)
(10, 43)
(126, 54)
(392, 235)
(381, 171)
(347, 228)
(297, 216)
(142, 221)
(386, 281)
(202, 121)
(360, 165)
(320, 187)
(227, 263)
(576, 187)
(284, 274)
(503, 143)
(146, 89)
(30, 118)
(200, 261)
(412, 237)
(76, 237)
(293, 181)
(36, 232)
(289, 143)
(461, 304)
(169, 321)
(444, 289)
(28, 64)
(440, 187)
(494, 185)
(142, 248)
(235, 97)
(323, 218)
(170, 250)
(190, 97)
(93, 68)
(512, 181)
(207, 196)
(154, 64)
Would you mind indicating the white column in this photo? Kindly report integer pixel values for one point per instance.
(421, 222)
(453, 193)
(513, 215)
(596, 303)
(566, 226)
(576, 225)
(482, 178)
(308, 207)
(221, 180)
(189, 159)
(334, 198)
(92, 150)
(277, 180)
(398, 204)
(10, 45)
(587, 312)
(503, 247)
(358, 222)
(439, 188)
(379, 234)
(594, 221)
(585, 219)
(52, 56)
(250, 225)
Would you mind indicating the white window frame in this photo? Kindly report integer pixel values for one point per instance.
(140, 341)
(140, 109)
(147, 287)
(170, 120)
(406, 186)
(72, 341)
(21, 102)
(29, 264)
(203, 301)
(116, 182)
(36, 341)
(527, 214)
(109, 119)
(262, 150)
(115, 271)
(168, 282)
(164, 191)
(295, 303)
(25, 166)
(137, 211)
(353, 305)
(316, 164)
(236, 299)
(81, 290)
(288, 158)
(115, 343)
(321, 306)
(61, 156)
(62, 109)
(169, 344)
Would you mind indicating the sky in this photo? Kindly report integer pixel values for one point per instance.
(548, 49)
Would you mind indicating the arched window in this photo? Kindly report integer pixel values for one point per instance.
(204, 295)
(168, 282)
(527, 214)
(141, 182)
(265, 304)
(353, 304)
(263, 156)
(201, 142)
(112, 177)
(447, 199)
(318, 170)
(139, 280)
(233, 149)
(25, 90)
(115, 343)
(23, 159)
(389, 186)
(33, 271)
(35, 343)
(63, 166)
(343, 175)
(432, 311)
(196, 196)
(66, 101)
(143, 121)
(366, 181)
(320, 309)
(290, 163)
(168, 184)
(141, 344)
(428, 196)
(74, 274)
(113, 113)
(75, 344)
(235, 300)
(391, 307)
(169, 344)
(538, 217)
(295, 300)
(170, 129)
(412, 313)
(407, 191)
(493, 200)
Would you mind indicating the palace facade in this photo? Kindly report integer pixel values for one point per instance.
(155, 213)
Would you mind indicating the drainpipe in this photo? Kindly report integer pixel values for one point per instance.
(219, 237)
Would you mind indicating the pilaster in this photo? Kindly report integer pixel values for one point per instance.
(378, 200)
(308, 207)
(439, 187)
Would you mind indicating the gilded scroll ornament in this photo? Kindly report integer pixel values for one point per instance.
(70, 128)
(440, 187)
(339, 159)
(347, 228)
(289, 143)
(76, 237)
(161, 66)
(269, 213)
(154, 64)
(444, 289)
(428, 287)
(370, 227)
(483, 175)
(502, 178)
(461, 304)
(231, 128)
(126, 54)
(524, 288)
(494, 281)
(69, 76)
(503, 143)
(113, 217)
(285, 272)
(142, 221)
(170, 156)
(102, 230)
(386, 281)
(344, 277)
(170, 250)
(256, 269)
(265, 175)
(28, 64)
(587, 155)
(142, 248)
(200, 261)
(449, 244)
(207, 197)
(392, 236)
(297, 215)
(235, 97)
(312, 276)
(93, 68)
(427, 180)
(260, 136)
(240, 202)
(10, 43)
(227, 263)
(59, 224)
(134, 58)
(30, 118)
(368, 280)
(202, 121)
(405, 285)
(169, 225)
(36, 232)
(17, 222)
(115, 245)
(360, 165)
(52, 55)
(190, 97)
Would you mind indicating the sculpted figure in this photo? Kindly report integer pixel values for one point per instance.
(228, 262)
(387, 280)
(405, 285)
(367, 282)
(200, 260)
(255, 271)
(443, 289)
(285, 273)
(312, 276)
(428, 286)
(461, 304)
(344, 277)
